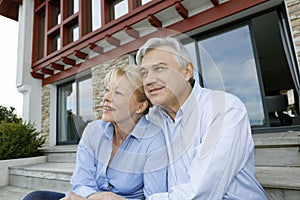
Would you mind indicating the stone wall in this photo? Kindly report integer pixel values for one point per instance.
(98, 74)
(45, 123)
(294, 14)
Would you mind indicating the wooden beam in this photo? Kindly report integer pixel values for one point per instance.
(154, 21)
(181, 10)
(57, 66)
(132, 32)
(47, 71)
(215, 2)
(112, 40)
(37, 75)
(81, 55)
(96, 48)
(68, 61)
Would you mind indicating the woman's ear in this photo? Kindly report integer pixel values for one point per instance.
(142, 106)
(189, 71)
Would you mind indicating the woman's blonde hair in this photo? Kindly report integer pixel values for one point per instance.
(132, 73)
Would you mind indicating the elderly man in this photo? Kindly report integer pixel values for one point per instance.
(209, 141)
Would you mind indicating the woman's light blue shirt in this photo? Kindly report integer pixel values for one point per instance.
(137, 169)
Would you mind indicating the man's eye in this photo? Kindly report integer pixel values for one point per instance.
(144, 73)
(159, 68)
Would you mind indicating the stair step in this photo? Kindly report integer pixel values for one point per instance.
(279, 177)
(46, 176)
(279, 139)
(63, 154)
(13, 193)
(280, 156)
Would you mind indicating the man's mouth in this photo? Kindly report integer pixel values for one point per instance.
(153, 90)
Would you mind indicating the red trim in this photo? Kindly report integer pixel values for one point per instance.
(113, 41)
(47, 71)
(131, 32)
(215, 2)
(10, 8)
(96, 48)
(81, 55)
(154, 21)
(223, 10)
(57, 66)
(182, 11)
(68, 61)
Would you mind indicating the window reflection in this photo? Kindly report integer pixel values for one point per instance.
(227, 63)
(118, 8)
(75, 110)
(96, 14)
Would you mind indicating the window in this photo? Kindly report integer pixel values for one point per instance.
(96, 14)
(75, 110)
(54, 9)
(41, 35)
(237, 59)
(228, 63)
(73, 33)
(73, 7)
(118, 8)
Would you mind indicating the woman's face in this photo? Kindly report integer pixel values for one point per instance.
(120, 102)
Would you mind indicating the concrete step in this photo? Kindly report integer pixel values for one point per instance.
(63, 153)
(13, 193)
(45, 176)
(277, 149)
(279, 177)
(280, 183)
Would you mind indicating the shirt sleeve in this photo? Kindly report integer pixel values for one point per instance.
(83, 178)
(225, 148)
(155, 170)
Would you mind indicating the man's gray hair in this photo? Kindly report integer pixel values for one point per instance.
(180, 53)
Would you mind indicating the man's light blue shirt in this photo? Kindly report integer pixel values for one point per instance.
(210, 149)
(133, 173)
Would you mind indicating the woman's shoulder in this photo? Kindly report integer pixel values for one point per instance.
(95, 127)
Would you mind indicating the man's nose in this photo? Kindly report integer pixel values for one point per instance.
(149, 78)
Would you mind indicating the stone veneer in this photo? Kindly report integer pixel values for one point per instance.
(98, 74)
(294, 14)
(45, 122)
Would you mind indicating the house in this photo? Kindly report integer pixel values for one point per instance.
(248, 48)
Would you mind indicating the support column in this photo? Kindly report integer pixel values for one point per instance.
(25, 83)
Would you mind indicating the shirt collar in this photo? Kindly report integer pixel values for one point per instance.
(137, 133)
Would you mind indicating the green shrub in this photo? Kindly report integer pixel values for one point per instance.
(19, 140)
(8, 115)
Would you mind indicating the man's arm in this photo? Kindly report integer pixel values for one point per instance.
(224, 150)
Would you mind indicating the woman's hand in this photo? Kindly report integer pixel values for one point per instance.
(73, 196)
(105, 196)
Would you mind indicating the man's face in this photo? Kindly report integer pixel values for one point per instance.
(164, 81)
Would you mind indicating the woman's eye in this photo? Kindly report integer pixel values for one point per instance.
(118, 93)
(106, 89)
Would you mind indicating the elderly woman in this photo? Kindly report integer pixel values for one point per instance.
(123, 155)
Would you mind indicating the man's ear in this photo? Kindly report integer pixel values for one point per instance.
(189, 71)
(142, 107)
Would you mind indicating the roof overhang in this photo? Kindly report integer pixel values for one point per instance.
(10, 8)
